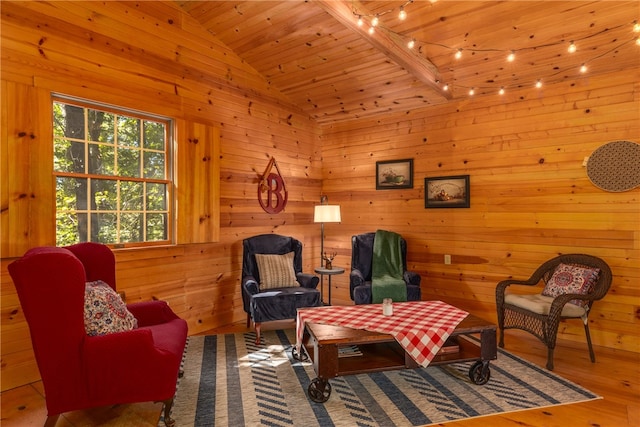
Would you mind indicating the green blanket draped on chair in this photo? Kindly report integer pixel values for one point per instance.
(387, 268)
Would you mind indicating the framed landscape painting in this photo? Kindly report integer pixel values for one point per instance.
(394, 174)
(447, 192)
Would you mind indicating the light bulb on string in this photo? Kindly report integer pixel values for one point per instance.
(472, 91)
(402, 15)
(510, 55)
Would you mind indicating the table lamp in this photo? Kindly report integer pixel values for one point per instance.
(325, 213)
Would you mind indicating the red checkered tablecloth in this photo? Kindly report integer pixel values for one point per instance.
(421, 327)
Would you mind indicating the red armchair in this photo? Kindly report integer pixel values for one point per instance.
(81, 371)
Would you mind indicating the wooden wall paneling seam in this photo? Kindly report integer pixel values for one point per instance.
(29, 210)
(169, 63)
(106, 19)
(198, 183)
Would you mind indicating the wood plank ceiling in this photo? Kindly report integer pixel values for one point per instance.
(315, 53)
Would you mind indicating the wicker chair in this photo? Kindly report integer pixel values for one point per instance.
(540, 315)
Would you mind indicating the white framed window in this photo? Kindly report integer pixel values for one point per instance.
(113, 175)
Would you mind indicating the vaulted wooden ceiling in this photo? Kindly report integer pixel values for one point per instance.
(315, 53)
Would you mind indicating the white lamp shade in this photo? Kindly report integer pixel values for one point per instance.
(327, 213)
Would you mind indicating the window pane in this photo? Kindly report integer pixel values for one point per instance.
(71, 194)
(68, 230)
(131, 227)
(153, 165)
(60, 161)
(106, 225)
(156, 197)
(128, 162)
(104, 195)
(131, 196)
(59, 121)
(154, 135)
(72, 122)
(100, 126)
(156, 227)
(102, 160)
(68, 156)
(128, 131)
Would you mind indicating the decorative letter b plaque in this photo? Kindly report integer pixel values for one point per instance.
(272, 191)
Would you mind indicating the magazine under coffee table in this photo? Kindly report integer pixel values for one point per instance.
(381, 352)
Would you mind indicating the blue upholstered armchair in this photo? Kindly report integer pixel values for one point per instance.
(273, 284)
(361, 269)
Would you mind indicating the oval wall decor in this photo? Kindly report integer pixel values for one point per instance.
(615, 166)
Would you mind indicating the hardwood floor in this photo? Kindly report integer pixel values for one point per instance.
(615, 376)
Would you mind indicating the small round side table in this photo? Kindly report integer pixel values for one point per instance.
(329, 272)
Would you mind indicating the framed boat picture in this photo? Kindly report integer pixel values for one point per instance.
(447, 192)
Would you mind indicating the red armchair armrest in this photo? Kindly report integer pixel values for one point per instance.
(151, 313)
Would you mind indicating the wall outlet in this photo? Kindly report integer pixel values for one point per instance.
(447, 259)
(585, 161)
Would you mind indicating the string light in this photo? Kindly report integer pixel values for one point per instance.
(402, 15)
(572, 48)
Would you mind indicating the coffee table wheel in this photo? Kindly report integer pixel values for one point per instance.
(480, 373)
(300, 357)
(319, 390)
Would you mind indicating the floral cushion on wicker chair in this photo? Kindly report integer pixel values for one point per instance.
(571, 279)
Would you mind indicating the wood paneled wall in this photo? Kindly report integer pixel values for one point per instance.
(149, 56)
(531, 198)
(530, 195)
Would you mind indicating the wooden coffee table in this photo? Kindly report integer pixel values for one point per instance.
(381, 352)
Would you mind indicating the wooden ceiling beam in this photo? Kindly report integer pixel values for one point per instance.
(387, 42)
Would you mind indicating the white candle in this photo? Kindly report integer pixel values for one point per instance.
(387, 306)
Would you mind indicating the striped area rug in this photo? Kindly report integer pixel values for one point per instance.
(230, 381)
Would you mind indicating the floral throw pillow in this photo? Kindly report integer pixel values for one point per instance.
(104, 310)
(571, 279)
